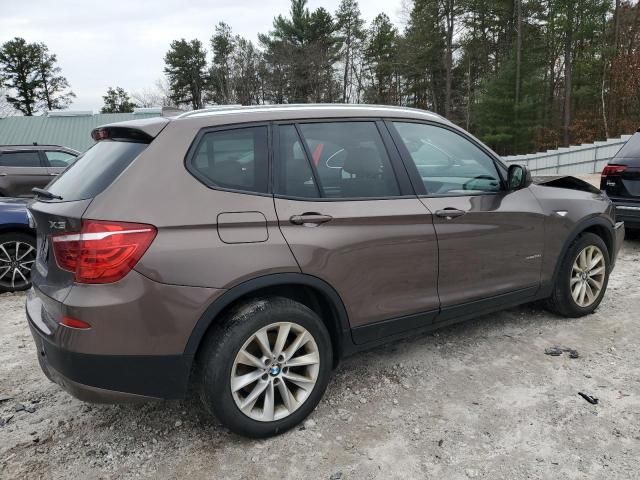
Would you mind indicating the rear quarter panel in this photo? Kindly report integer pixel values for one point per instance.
(188, 249)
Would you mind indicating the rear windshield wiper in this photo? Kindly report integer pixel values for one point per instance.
(46, 194)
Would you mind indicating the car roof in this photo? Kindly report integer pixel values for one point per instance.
(233, 114)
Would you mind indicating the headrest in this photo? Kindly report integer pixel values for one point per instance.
(362, 162)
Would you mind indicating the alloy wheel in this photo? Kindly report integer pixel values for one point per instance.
(16, 260)
(587, 276)
(275, 371)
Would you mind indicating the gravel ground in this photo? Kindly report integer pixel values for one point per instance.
(477, 400)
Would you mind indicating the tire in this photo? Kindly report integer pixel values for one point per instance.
(562, 300)
(22, 262)
(241, 329)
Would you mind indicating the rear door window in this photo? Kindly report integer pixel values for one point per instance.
(20, 159)
(96, 169)
(336, 160)
(236, 159)
(59, 159)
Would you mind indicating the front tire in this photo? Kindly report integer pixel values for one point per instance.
(265, 367)
(17, 258)
(582, 279)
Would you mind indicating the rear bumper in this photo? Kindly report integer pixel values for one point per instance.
(135, 348)
(111, 378)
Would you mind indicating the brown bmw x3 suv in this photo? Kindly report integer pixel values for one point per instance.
(240, 253)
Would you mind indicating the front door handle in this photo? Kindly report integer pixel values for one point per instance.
(449, 213)
(310, 219)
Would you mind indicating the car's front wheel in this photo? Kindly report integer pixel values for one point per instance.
(17, 256)
(265, 367)
(583, 277)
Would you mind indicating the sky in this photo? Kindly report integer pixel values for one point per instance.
(123, 42)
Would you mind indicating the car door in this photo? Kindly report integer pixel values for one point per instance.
(20, 171)
(490, 239)
(58, 161)
(347, 210)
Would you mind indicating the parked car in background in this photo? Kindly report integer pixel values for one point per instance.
(246, 250)
(621, 181)
(17, 245)
(23, 167)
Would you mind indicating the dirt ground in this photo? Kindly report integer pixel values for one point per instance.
(477, 400)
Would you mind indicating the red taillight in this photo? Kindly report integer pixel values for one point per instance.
(74, 323)
(103, 251)
(613, 169)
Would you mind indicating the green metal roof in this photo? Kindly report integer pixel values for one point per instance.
(68, 131)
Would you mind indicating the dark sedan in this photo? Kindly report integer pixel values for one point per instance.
(17, 245)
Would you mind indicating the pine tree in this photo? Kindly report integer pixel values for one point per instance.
(185, 69)
(381, 62)
(19, 63)
(117, 100)
(223, 45)
(350, 27)
(54, 92)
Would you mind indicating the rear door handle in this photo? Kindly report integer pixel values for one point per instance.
(449, 213)
(310, 219)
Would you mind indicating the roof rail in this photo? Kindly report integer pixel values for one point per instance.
(222, 108)
(212, 108)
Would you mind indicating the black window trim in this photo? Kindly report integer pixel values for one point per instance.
(195, 143)
(412, 170)
(399, 170)
(41, 157)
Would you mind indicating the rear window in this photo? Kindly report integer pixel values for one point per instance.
(234, 159)
(20, 159)
(631, 149)
(95, 169)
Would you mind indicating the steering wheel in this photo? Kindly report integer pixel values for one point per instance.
(465, 186)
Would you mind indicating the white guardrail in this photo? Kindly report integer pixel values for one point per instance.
(574, 160)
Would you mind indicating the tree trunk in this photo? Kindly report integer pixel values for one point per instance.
(518, 63)
(568, 64)
(449, 58)
(346, 65)
(616, 26)
(518, 51)
(469, 95)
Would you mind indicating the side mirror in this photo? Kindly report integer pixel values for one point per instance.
(518, 177)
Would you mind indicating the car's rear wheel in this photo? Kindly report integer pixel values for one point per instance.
(583, 277)
(17, 257)
(265, 367)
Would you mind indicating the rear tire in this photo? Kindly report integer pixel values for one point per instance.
(582, 278)
(257, 342)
